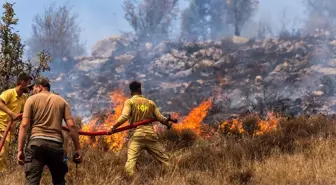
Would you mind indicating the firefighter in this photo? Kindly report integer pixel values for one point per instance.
(135, 109)
(11, 105)
(43, 113)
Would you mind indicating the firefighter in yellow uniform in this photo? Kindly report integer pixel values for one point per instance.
(136, 109)
(11, 105)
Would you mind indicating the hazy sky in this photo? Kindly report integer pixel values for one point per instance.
(102, 18)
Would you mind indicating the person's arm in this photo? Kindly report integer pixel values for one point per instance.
(161, 118)
(73, 132)
(25, 124)
(65, 142)
(125, 115)
(4, 99)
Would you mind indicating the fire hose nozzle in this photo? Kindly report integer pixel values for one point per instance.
(174, 120)
(74, 158)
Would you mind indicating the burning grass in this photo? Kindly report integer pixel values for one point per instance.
(239, 151)
(299, 151)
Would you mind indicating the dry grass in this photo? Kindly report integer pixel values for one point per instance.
(301, 151)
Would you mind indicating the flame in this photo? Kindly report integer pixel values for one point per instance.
(193, 120)
(114, 141)
(264, 126)
(89, 127)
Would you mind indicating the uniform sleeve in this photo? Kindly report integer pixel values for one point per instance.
(157, 114)
(6, 96)
(126, 113)
(67, 112)
(28, 109)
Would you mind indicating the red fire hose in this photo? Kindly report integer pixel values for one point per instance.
(3, 138)
(105, 132)
(84, 133)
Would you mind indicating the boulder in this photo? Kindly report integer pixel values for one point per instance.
(239, 40)
(111, 46)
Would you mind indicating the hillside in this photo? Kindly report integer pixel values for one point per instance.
(292, 75)
(211, 86)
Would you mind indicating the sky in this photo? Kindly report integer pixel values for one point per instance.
(103, 18)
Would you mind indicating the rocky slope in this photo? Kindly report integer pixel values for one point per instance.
(292, 75)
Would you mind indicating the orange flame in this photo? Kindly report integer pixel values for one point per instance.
(88, 127)
(117, 140)
(114, 141)
(264, 126)
(194, 119)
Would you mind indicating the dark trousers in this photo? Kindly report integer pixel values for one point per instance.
(40, 152)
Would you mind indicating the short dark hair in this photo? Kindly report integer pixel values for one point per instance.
(23, 77)
(135, 86)
(44, 82)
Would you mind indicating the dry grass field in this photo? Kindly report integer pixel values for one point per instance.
(298, 151)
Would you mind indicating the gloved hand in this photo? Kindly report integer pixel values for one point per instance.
(174, 120)
(169, 125)
(77, 157)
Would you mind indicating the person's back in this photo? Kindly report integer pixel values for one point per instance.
(136, 109)
(44, 113)
(48, 109)
(142, 109)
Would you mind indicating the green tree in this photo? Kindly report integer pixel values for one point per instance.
(11, 52)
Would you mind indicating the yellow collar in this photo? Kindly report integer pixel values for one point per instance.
(134, 96)
(15, 93)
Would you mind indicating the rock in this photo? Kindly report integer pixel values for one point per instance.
(239, 40)
(142, 76)
(206, 63)
(210, 52)
(148, 46)
(332, 62)
(290, 49)
(200, 81)
(318, 93)
(258, 79)
(220, 63)
(120, 69)
(60, 77)
(111, 46)
(201, 53)
(217, 54)
(182, 74)
(324, 70)
(125, 58)
(87, 65)
(333, 43)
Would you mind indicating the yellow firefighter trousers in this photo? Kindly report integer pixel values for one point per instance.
(153, 147)
(4, 152)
